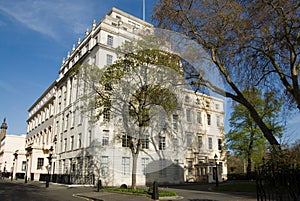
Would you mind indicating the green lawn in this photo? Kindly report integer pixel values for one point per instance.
(161, 193)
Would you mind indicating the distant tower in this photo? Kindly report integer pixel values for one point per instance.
(3, 129)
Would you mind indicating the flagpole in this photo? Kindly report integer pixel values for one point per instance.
(144, 10)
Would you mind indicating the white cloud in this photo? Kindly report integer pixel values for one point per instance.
(50, 18)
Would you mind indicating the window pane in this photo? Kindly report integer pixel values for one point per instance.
(145, 142)
(162, 143)
(210, 143)
(104, 165)
(145, 162)
(40, 163)
(110, 40)
(188, 115)
(189, 139)
(125, 165)
(208, 119)
(175, 121)
(109, 59)
(199, 120)
(200, 143)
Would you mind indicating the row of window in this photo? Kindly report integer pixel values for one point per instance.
(41, 117)
(41, 138)
(198, 118)
(162, 142)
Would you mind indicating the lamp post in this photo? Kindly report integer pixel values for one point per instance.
(216, 159)
(16, 162)
(26, 167)
(4, 170)
(49, 166)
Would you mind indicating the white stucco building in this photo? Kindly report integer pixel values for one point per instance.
(84, 150)
(12, 154)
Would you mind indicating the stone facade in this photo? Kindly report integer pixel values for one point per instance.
(12, 154)
(86, 150)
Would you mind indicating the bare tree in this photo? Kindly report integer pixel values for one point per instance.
(251, 43)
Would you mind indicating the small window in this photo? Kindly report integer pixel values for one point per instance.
(188, 115)
(175, 144)
(79, 140)
(106, 112)
(210, 145)
(110, 40)
(125, 140)
(125, 166)
(145, 162)
(200, 143)
(23, 166)
(218, 120)
(190, 167)
(208, 119)
(109, 59)
(207, 104)
(145, 142)
(199, 119)
(189, 139)
(105, 138)
(71, 142)
(40, 163)
(162, 143)
(65, 144)
(220, 144)
(104, 166)
(175, 121)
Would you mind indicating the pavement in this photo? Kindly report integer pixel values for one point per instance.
(186, 192)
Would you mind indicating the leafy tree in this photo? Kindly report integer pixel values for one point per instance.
(133, 92)
(292, 153)
(245, 138)
(251, 43)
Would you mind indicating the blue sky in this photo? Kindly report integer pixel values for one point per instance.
(37, 34)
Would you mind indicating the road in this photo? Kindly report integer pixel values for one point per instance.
(35, 191)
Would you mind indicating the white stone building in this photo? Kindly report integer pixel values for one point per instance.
(85, 150)
(12, 154)
(40, 136)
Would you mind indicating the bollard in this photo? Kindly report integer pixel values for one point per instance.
(155, 191)
(99, 186)
(47, 181)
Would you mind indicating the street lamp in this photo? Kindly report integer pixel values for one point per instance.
(49, 166)
(16, 158)
(216, 159)
(26, 167)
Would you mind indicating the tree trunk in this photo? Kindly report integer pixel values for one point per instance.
(134, 169)
(249, 153)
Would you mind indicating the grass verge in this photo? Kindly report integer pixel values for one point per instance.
(161, 193)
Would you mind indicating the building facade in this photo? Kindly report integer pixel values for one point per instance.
(40, 136)
(12, 154)
(84, 150)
